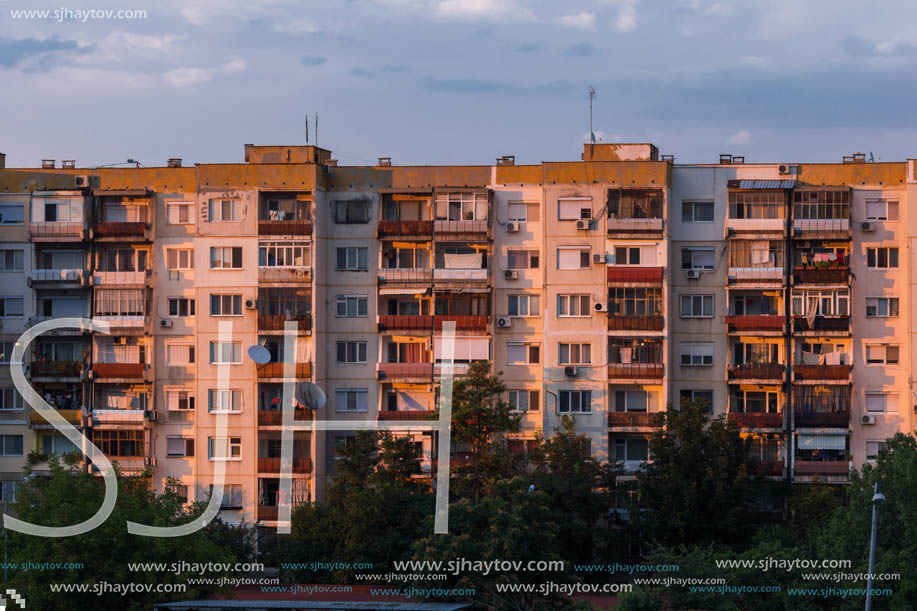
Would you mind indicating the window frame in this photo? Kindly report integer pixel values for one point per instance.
(691, 350)
(222, 259)
(235, 210)
(693, 203)
(691, 298)
(888, 307)
(584, 399)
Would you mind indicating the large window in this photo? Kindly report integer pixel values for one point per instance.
(881, 258)
(352, 258)
(697, 306)
(821, 303)
(821, 204)
(632, 449)
(225, 305)
(574, 305)
(523, 400)
(224, 448)
(181, 306)
(179, 213)
(690, 395)
(574, 402)
(631, 401)
(179, 447)
(753, 401)
(352, 306)
(226, 353)
(881, 402)
(225, 257)
(881, 210)
(626, 351)
(11, 260)
(696, 354)
(881, 307)
(756, 204)
(11, 307)
(224, 210)
(119, 442)
(179, 400)
(634, 204)
(882, 354)
(180, 258)
(12, 214)
(179, 353)
(518, 353)
(623, 301)
(349, 212)
(351, 352)
(10, 445)
(574, 208)
(224, 400)
(697, 258)
(575, 257)
(120, 302)
(574, 354)
(696, 212)
(522, 259)
(523, 212)
(522, 305)
(284, 254)
(461, 206)
(351, 400)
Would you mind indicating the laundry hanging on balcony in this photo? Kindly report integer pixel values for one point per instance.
(464, 261)
(810, 358)
(760, 254)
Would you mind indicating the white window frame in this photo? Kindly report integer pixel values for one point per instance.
(623, 441)
(216, 214)
(232, 449)
(175, 209)
(13, 205)
(890, 402)
(585, 204)
(345, 300)
(345, 394)
(884, 217)
(21, 301)
(693, 203)
(693, 301)
(178, 254)
(629, 250)
(222, 299)
(218, 351)
(531, 306)
(698, 249)
(888, 257)
(577, 353)
(874, 447)
(697, 354)
(567, 303)
(217, 400)
(11, 400)
(190, 306)
(189, 399)
(884, 350)
(287, 251)
(580, 250)
(220, 264)
(519, 396)
(351, 264)
(527, 348)
(874, 302)
(174, 348)
(357, 344)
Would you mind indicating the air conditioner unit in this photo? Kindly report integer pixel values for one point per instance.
(151, 415)
(512, 227)
(601, 306)
(511, 274)
(82, 181)
(692, 274)
(866, 227)
(250, 304)
(165, 323)
(504, 321)
(787, 169)
(570, 371)
(868, 419)
(598, 259)
(582, 224)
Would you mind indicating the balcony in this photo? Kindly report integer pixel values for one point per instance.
(272, 465)
(406, 416)
(822, 372)
(417, 275)
(119, 278)
(834, 326)
(121, 230)
(58, 277)
(756, 225)
(821, 275)
(124, 417)
(630, 225)
(407, 229)
(761, 322)
(284, 227)
(56, 369)
(624, 274)
(767, 275)
(822, 467)
(460, 227)
(73, 416)
(751, 420)
(404, 322)
(441, 274)
(821, 228)
(421, 372)
(462, 323)
(275, 417)
(809, 419)
(635, 323)
(35, 320)
(118, 370)
(277, 322)
(267, 513)
(644, 371)
(267, 274)
(768, 467)
(275, 370)
(634, 419)
(772, 372)
(123, 323)
(40, 231)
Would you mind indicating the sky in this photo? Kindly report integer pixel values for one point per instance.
(458, 81)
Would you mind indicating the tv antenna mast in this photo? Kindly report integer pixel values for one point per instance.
(591, 92)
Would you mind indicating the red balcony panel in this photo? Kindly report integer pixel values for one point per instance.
(761, 322)
(463, 323)
(275, 370)
(406, 416)
(756, 420)
(821, 275)
(622, 419)
(272, 465)
(821, 467)
(61, 369)
(267, 513)
(821, 372)
(405, 322)
(635, 323)
(277, 322)
(758, 371)
(284, 227)
(413, 228)
(635, 370)
(634, 274)
(275, 417)
(405, 370)
(116, 230)
(822, 419)
(117, 370)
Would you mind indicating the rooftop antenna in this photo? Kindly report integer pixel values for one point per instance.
(871, 158)
(591, 92)
(316, 129)
(307, 129)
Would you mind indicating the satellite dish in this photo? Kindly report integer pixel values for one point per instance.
(310, 395)
(259, 354)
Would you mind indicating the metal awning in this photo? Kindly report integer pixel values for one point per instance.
(762, 184)
(403, 291)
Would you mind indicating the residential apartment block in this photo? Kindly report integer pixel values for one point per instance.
(601, 289)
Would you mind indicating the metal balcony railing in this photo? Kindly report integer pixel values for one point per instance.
(756, 420)
(821, 372)
(268, 464)
(275, 370)
(275, 417)
(406, 416)
(284, 227)
(635, 323)
(635, 370)
(634, 274)
(758, 371)
(628, 419)
(405, 228)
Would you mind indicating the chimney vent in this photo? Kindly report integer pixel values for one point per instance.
(68, 164)
(174, 162)
(47, 163)
(725, 158)
(506, 160)
(385, 162)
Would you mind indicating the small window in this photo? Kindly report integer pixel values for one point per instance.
(518, 353)
(523, 400)
(632, 449)
(881, 307)
(522, 305)
(691, 395)
(626, 255)
(574, 209)
(574, 305)
(697, 258)
(573, 258)
(881, 402)
(225, 353)
(574, 402)
(523, 212)
(883, 354)
(180, 400)
(881, 258)
(352, 306)
(181, 306)
(351, 352)
(352, 259)
(351, 212)
(696, 212)
(11, 400)
(351, 400)
(223, 210)
(180, 258)
(232, 496)
(522, 259)
(11, 260)
(225, 305)
(697, 306)
(874, 448)
(229, 401)
(224, 448)
(179, 353)
(10, 445)
(696, 354)
(179, 447)
(179, 213)
(11, 307)
(574, 354)
(881, 210)
(225, 257)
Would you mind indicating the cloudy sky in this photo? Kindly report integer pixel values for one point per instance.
(459, 81)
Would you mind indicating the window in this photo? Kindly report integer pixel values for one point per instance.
(574, 354)
(58, 444)
(523, 212)
(224, 448)
(181, 306)
(461, 206)
(573, 258)
(691, 395)
(696, 354)
(179, 447)
(6, 353)
(697, 258)
(522, 305)
(627, 351)
(574, 305)
(881, 210)
(631, 401)
(881, 307)
(284, 254)
(350, 212)
(697, 306)
(179, 353)
(224, 400)
(179, 213)
(884, 354)
(351, 352)
(873, 449)
(180, 258)
(222, 210)
(179, 400)
(11, 260)
(10, 445)
(518, 353)
(881, 402)
(632, 449)
(9, 489)
(11, 307)
(574, 209)
(881, 258)
(574, 402)
(624, 255)
(179, 490)
(352, 258)
(351, 400)
(352, 306)
(12, 214)
(822, 303)
(522, 259)
(10, 399)
(756, 204)
(225, 305)
(225, 257)
(232, 496)
(119, 442)
(523, 400)
(696, 212)
(225, 352)
(624, 301)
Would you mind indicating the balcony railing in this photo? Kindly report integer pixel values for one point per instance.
(404, 322)
(272, 465)
(461, 275)
(635, 370)
(756, 274)
(839, 419)
(619, 225)
(70, 415)
(267, 513)
(56, 275)
(460, 227)
(130, 417)
(821, 226)
(821, 275)
(821, 372)
(753, 420)
(275, 370)
(405, 228)
(396, 371)
(758, 322)
(406, 416)
(821, 467)
(462, 323)
(56, 369)
(277, 322)
(284, 227)
(275, 417)
(822, 323)
(627, 419)
(113, 278)
(757, 371)
(120, 230)
(56, 230)
(411, 274)
(635, 323)
(634, 274)
(122, 321)
(768, 467)
(118, 370)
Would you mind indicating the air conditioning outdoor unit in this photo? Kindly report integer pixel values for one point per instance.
(165, 323)
(511, 274)
(582, 224)
(250, 304)
(601, 306)
(570, 371)
(82, 181)
(692, 274)
(598, 259)
(869, 419)
(512, 227)
(504, 321)
(787, 169)
(866, 227)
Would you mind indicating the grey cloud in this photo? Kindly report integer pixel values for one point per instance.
(363, 73)
(583, 49)
(530, 47)
(15, 51)
(857, 46)
(313, 61)
(474, 85)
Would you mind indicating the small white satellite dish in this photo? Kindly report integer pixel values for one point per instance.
(310, 395)
(259, 354)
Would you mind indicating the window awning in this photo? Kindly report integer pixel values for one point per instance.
(762, 184)
(821, 442)
(403, 291)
